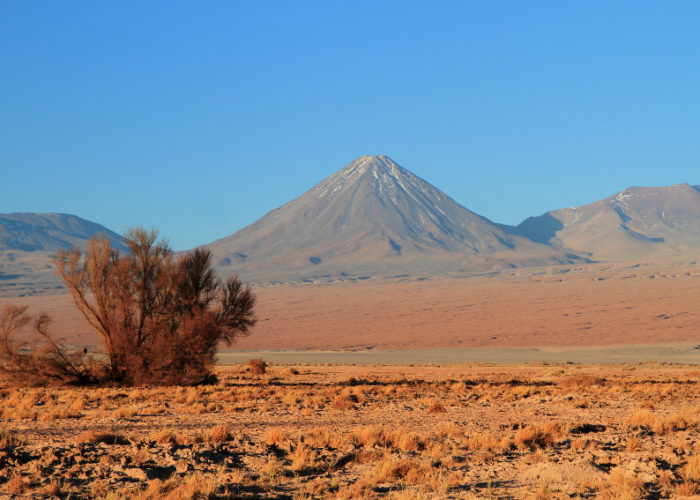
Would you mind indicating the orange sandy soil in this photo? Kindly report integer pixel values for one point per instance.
(621, 304)
(317, 431)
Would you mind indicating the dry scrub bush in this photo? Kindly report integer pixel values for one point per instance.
(160, 317)
(257, 366)
(39, 359)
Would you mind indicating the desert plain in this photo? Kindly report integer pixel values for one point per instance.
(592, 305)
(560, 382)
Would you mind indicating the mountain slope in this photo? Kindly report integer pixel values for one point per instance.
(373, 217)
(29, 240)
(31, 232)
(638, 222)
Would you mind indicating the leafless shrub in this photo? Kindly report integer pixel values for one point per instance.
(39, 359)
(160, 317)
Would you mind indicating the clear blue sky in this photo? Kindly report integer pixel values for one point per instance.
(199, 117)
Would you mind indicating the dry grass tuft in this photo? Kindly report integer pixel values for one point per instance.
(276, 437)
(435, 406)
(691, 470)
(103, 438)
(301, 457)
(344, 402)
(17, 485)
(582, 380)
(165, 436)
(219, 434)
(289, 371)
(623, 486)
(9, 439)
(535, 437)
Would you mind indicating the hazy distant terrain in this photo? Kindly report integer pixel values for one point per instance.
(27, 243)
(375, 220)
(563, 307)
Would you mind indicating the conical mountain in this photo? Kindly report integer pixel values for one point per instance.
(638, 222)
(373, 218)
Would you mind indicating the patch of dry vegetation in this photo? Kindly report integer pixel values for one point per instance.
(159, 317)
(552, 431)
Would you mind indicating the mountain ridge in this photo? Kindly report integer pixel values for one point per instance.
(50, 231)
(637, 222)
(376, 219)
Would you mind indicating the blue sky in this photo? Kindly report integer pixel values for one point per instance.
(199, 117)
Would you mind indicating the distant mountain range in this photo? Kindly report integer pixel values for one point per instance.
(375, 219)
(635, 223)
(28, 241)
(50, 232)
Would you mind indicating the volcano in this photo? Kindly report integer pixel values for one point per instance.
(374, 218)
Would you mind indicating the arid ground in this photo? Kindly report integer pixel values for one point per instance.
(312, 431)
(565, 307)
(371, 395)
